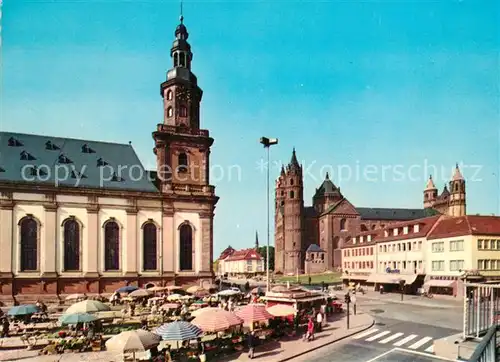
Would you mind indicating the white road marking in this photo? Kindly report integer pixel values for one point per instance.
(430, 349)
(367, 333)
(405, 340)
(391, 338)
(420, 354)
(382, 355)
(377, 336)
(420, 343)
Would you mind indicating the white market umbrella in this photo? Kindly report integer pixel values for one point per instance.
(75, 296)
(228, 293)
(174, 297)
(140, 293)
(133, 342)
(87, 306)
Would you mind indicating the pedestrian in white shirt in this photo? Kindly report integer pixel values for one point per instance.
(319, 321)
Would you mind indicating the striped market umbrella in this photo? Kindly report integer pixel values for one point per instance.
(178, 331)
(198, 312)
(76, 318)
(217, 321)
(25, 309)
(252, 313)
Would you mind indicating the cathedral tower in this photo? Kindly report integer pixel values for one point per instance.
(289, 219)
(326, 195)
(430, 193)
(457, 202)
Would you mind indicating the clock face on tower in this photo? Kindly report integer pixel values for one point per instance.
(183, 94)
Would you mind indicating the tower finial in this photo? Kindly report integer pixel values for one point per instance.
(181, 18)
(327, 177)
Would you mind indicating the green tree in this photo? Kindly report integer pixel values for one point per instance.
(263, 252)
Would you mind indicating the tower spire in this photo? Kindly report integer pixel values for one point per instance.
(181, 17)
(256, 240)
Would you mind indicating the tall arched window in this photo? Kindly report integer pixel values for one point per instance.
(149, 258)
(169, 95)
(29, 244)
(170, 112)
(71, 245)
(292, 194)
(183, 112)
(186, 247)
(111, 246)
(183, 162)
(176, 59)
(343, 224)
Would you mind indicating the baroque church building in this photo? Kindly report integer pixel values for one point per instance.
(332, 220)
(83, 216)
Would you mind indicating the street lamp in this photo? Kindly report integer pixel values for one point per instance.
(267, 143)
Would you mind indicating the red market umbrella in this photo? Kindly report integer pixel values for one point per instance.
(217, 320)
(252, 313)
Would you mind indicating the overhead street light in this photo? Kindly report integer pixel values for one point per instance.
(267, 143)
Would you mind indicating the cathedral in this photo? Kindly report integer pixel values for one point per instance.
(332, 220)
(83, 216)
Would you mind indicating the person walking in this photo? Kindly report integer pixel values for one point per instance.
(353, 302)
(251, 344)
(319, 321)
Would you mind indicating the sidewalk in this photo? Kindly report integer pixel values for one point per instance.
(411, 299)
(285, 350)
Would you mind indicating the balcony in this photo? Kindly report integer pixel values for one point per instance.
(163, 128)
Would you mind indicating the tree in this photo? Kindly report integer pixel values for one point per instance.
(263, 252)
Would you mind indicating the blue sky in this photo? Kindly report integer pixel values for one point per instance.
(372, 85)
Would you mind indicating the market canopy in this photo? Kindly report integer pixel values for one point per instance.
(252, 313)
(217, 321)
(87, 306)
(178, 331)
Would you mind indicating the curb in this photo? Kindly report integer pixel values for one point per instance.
(409, 303)
(327, 343)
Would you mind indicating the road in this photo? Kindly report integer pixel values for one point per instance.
(402, 333)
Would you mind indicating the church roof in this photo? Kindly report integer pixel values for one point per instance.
(327, 187)
(379, 213)
(314, 249)
(430, 184)
(68, 162)
(466, 225)
(457, 175)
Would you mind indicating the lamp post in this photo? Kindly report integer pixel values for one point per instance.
(267, 143)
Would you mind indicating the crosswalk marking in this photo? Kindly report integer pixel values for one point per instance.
(377, 336)
(391, 338)
(430, 349)
(420, 343)
(405, 340)
(367, 333)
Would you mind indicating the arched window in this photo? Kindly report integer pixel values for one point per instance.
(176, 59)
(149, 258)
(71, 245)
(169, 95)
(183, 112)
(111, 246)
(363, 227)
(29, 244)
(170, 112)
(183, 162)
(182, 59)
(343, 223)
(456, 187)
(292, 194)
(291, 182)
(186, 247)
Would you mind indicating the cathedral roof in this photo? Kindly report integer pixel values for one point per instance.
(457, 175)
(379, 213)
(445, 192)
(68, 162)
(430, 184)
(314, 249)
(327, 187)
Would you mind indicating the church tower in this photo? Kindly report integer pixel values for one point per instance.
(457, 202)
(289, 218)
(182, 148)
(182, 152)
(430, 193)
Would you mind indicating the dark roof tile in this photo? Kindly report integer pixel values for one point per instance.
(47, 159)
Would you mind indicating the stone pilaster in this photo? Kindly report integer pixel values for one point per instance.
(206, 242)
(130, 254)
(90, 247)
(6, 238)
(48, 254)
(169, 247)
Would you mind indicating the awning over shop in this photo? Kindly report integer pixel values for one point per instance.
(392, 278)
(439, 283)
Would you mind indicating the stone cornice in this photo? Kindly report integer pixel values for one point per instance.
(50, 207)
(131, 211)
